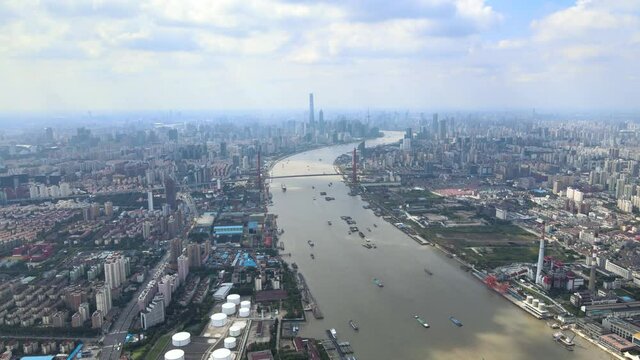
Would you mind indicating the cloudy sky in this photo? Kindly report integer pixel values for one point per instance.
(83, 55)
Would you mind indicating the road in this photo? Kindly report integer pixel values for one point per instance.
(112, 344)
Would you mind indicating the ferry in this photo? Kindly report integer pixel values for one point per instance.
(564, 340)
(284, 187)
(329, 222)
(310, 243)
(354, 326)
(378, 282)
(422, 322)
(455, 321)
(427, 271)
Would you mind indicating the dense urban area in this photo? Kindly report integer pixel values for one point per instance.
(153, 238)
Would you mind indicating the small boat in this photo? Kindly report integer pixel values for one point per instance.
(378, 282)
(329, 222)
(366, 245)
(369, 229)
(374, 246)
(334, 333)
(455, 321)
(294, 266)
(354, 326)
(284, 187)
(310, 243)
(375, 225)
(427, 271)
(313, 256)
(313, 187)
(422, 322)
(361, 234)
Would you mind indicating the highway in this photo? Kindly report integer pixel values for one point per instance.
(113, 341)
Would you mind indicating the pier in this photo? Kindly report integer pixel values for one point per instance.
(308, 297)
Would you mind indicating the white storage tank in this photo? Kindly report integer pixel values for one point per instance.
(221, 354)
(235, 330)
(233, 298)
(245, 304)
(542, 306)
(218, 319)
(229, 308)
(175, 354)
(529, 299)
(230, 343)
(241, 324)
(181, 339)
(244, 312)
(536, 302)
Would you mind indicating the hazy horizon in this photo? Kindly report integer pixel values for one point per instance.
(269, 54)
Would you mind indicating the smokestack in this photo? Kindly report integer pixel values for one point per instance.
(538, 278)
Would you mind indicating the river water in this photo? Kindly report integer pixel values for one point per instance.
(340, 278)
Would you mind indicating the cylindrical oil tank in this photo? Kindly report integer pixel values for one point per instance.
(181, 339)
(229, 308)
(175, 354)
(222, 354)
(536, 302)
(230, 343)
(235, 330)
(218, 319)
(241, 324)
(542, 306)
(233, 298)
(245, 304)
(244, 312)
(529, 299)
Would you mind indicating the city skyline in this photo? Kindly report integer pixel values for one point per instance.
(465, 55)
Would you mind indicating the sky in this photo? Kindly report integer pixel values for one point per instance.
(92, 55)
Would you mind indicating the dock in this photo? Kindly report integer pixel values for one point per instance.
(308, 297)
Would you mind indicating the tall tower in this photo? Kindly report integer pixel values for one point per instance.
(354, 167)
(538, 278)
(312, 120)
(592, 273)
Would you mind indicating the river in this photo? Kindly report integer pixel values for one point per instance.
(340, 278)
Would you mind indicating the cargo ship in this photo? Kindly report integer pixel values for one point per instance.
(378, 282)
(455, 321)
(421, 321)
(354, 326)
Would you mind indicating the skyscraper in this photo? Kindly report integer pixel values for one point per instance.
(176, 250)
(193, 251)
(150, 200)
(183, 268)
(312, 120)
(115, 270)
(170, 191)
(103, 299)
(538, 278)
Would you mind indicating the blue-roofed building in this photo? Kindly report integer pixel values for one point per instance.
(39, 357)
(228, 232)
